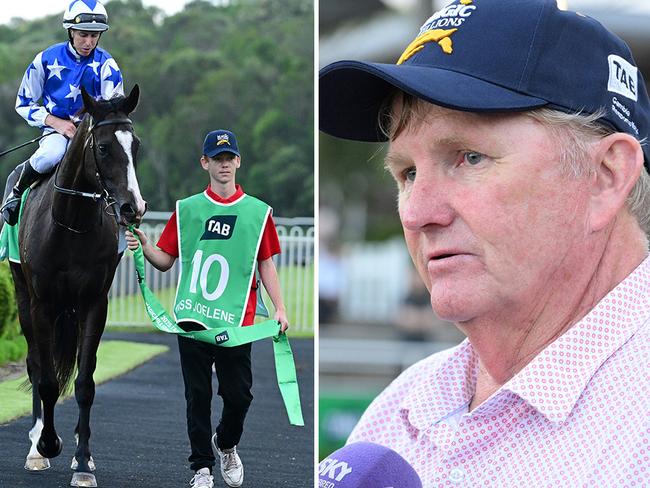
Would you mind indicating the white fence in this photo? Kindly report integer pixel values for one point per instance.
(376, 279)
(295, 268)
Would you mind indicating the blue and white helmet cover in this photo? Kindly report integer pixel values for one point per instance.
(88, 15)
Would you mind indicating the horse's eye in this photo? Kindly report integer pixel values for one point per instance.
(103, 149)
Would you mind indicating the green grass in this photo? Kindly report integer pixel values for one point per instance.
(297, 290)
(12, 349)
(113, 358)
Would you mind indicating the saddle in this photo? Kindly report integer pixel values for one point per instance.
(9, 235)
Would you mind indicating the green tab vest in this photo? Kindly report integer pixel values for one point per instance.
(218, 245)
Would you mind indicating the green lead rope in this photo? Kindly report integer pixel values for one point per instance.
(285, 367)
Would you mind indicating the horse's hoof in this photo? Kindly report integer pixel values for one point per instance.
(37, 463)
(75, 464)
(49, 451)
(83, 479)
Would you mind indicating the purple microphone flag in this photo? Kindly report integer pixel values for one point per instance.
(366, 465)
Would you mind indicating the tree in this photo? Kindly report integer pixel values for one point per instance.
(243, 65)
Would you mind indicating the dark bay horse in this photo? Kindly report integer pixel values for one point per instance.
(68, 240)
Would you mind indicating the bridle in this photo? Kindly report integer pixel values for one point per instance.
(89, 143)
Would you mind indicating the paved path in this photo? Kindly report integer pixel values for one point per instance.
(138, 428)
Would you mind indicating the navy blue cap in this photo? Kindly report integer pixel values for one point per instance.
(495, 56)
(219, 141)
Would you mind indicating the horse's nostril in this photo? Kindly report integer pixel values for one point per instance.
(127, 210)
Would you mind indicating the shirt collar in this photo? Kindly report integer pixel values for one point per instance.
(239, 191)
(449, 386)
(73, 52)
(567, 365)
(564, 368)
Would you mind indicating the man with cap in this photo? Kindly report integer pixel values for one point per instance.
(517, 137)
(219, 235)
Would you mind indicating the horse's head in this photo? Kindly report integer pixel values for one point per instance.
(114, 150)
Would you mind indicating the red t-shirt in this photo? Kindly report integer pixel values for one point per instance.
(269, 246)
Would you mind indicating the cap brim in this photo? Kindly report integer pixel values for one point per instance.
(212, 154)
(352, 92)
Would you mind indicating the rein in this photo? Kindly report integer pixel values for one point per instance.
(104, 195)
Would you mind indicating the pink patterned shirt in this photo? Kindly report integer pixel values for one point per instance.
(577, 415)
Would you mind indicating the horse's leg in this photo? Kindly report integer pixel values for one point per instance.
(34, 460)
(93, 320)
(49, 445)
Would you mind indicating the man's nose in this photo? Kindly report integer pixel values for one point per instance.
(426, 203)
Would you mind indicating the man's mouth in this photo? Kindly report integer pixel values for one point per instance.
(443, 256)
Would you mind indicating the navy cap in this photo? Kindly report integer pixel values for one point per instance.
(219, 141)
(495, 56)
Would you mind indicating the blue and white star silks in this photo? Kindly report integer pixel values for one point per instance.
(94, 65)
(52, 83)
(75, 91)
(55, 69)
(50, 103)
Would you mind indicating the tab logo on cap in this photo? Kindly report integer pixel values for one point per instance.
(623, 77)
(433, 29)
(223, 139)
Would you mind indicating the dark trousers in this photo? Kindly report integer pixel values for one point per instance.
(233, 367)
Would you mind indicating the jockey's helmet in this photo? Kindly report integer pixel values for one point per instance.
(86, 15)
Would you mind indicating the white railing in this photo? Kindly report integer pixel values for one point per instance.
(295, 268)
(375, 280)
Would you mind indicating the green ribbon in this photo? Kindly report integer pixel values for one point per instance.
(285, 367)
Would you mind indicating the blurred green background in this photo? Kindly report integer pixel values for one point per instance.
(245, 65)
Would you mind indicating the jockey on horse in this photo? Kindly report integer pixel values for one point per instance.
(50, 93)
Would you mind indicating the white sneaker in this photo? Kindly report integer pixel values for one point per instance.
(202, 479)
(232, 468)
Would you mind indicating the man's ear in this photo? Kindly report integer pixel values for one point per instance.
(204, 162)
(618, 164)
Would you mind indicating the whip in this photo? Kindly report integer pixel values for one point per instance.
(36, 139)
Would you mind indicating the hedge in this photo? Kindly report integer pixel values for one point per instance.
(12, 345)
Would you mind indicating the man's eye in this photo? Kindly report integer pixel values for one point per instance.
(473, 158)
(409, 174)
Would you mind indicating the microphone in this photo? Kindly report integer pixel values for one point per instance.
(366, 465)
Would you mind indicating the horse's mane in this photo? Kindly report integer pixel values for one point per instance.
(77, 142)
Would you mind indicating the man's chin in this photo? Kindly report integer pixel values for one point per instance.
(454, 306)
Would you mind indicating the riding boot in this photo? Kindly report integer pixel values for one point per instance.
(12, 206)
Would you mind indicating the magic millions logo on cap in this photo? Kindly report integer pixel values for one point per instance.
(223, 139)
(439, 28)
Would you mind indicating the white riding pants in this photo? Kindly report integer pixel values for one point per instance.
(50, 151)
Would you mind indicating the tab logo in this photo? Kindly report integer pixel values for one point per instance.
(221, 337)
(623, 77)
(334, 469)
(439, 27)
(219, 227)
